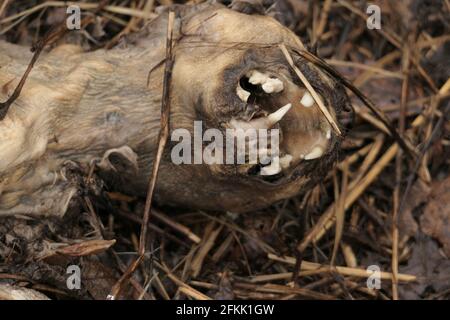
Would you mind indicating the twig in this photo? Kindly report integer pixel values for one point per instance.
(395, 40)
(52, 36)
(282, 289)
(4, 106)
(84, 6)
(233, 227)
(398, 172)
(370, 68)
(37, 49)
(183, 287)
(323, 21)
(346, 271)
(404, 143)
(162, 139)
(326, 221)
(177, 226)
(311, 90)
(223, 248)
(340, 212)
(436, 100)
(3, 7)
(163, 133)
(153, 227)
(206, 246)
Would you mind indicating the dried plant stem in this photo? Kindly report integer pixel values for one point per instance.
(346, 271)
(282, 289)
(404, 143)
(205, 247)
(183, 287)
(52, 36)
(323, 20)
(369, 68)
(177, 226)
(327, 220)
(37, 49)
(398, 172)
(311, 90)
(3, 7)
(85, 6)
(386, 60)
(340, 211)
(395, 40)
(162, 139)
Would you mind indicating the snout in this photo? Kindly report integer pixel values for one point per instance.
(273, 97)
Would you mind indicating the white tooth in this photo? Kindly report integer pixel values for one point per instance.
(257, 77)
(242, 94)
(279, 114)
(263, 122)
(285, 161)
(316, 152)
(307, 100)
(273, 85)
(328, 134)
(271, 169)
(268, 87)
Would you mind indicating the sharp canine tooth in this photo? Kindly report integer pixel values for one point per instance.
(279, 114)
(328, 134)
(273, 85)
(271, 169)
(242, 94)
(316, 152)
(307, 100)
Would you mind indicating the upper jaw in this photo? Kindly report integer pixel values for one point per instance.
(277, 102)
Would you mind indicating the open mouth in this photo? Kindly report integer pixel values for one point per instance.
(275, 102)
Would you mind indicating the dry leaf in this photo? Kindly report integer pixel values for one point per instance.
(97, 278)
(430, 266)
(435, 220)
(86, 248)
(418, 194)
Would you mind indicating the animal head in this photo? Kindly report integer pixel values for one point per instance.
(230, 68)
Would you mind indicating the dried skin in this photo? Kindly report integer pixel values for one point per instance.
(82, 109)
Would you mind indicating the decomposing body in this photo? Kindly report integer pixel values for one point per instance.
(100, 111)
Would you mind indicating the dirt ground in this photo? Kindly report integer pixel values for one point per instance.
(379, 208)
